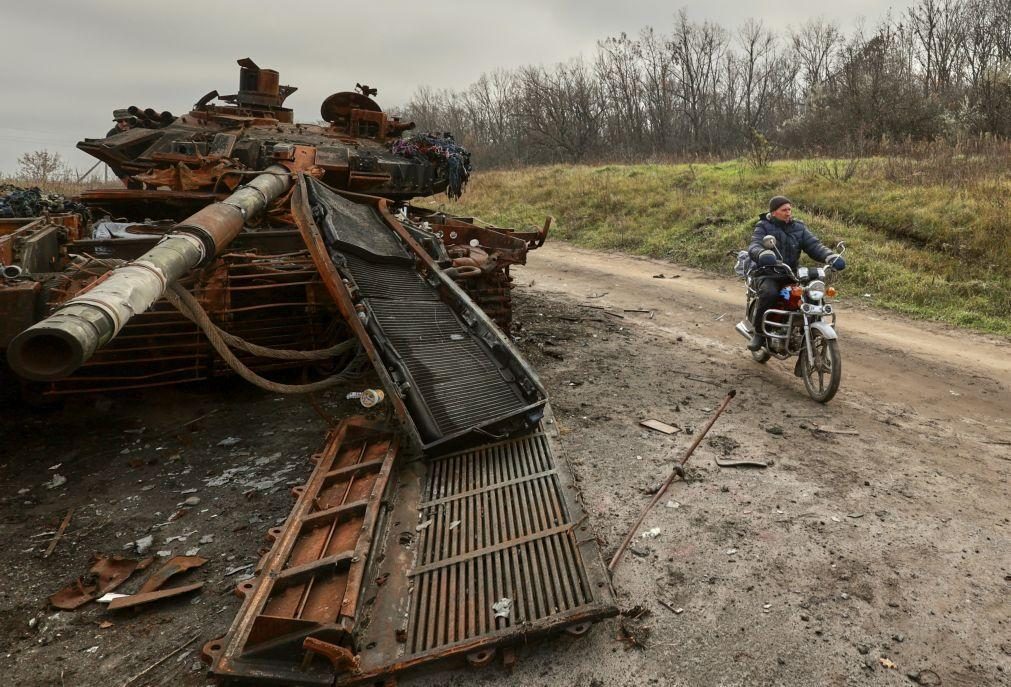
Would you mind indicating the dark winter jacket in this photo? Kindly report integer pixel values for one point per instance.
(791, 239)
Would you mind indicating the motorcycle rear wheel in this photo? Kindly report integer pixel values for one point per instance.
(822, 379)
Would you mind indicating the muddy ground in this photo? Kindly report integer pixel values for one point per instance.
(878, 536)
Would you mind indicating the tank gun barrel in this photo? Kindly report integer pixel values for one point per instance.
(58, 345)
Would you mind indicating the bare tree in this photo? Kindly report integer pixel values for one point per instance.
(696, 51)
(658, 89)
(561, 110)
(618, 68)
(816, 43)
(937, 26)
(40, 167)
(758, 47)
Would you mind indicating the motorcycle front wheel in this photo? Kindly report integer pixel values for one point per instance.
(822, 378)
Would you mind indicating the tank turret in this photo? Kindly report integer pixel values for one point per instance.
(225, 138)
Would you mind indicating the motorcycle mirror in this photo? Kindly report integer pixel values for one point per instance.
(769, 242)
(840, 248)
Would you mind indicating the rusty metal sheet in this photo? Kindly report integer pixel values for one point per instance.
(135, 600)
(106, 574)
(308, 587)
(174, 566)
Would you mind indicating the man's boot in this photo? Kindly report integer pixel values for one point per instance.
(756, 343)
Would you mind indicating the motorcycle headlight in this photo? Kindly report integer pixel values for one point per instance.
(816, 290)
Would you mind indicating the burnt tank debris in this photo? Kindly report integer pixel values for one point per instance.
(244, 242)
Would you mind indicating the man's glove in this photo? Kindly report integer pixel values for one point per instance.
(767, 258)
(836, 262)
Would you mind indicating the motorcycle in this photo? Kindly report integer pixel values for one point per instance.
(802, 324)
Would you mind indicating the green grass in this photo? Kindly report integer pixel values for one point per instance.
(929, 251)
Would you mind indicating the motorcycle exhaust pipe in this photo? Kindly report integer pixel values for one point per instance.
(743, 329)
(10, 271)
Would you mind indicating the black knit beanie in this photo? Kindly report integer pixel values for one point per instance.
(777, 202)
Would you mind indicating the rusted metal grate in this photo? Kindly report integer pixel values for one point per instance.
(468, 529)
(499, 528)
(461, 382)
(451, 376)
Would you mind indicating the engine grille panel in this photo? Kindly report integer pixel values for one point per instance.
(498, 529)
(452, 376)
(468, 529)
(461, 385)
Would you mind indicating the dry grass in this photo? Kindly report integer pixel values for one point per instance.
(921, 241)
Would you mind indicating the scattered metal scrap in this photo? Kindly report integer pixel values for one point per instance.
(59, 534)
(174, 566)
(106, 573)
(134, 600)
(659, 426)
(743, 462)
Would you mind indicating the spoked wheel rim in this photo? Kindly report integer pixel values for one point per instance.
(822, 378)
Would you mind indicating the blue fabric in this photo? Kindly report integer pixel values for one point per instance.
(766, 258)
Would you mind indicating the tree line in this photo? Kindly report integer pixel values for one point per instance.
(941, 69)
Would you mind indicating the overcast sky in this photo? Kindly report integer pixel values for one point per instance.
(67, 65)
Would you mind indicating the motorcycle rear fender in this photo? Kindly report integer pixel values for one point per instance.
(826, 330)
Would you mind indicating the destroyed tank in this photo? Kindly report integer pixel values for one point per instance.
(210, 194)
(245, 242)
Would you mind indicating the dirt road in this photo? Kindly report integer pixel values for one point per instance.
(920, 364)
(878, 537)
(881, 541)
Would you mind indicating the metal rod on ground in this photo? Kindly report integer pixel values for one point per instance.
(55, 347)
(59, 534)
(678, 472)
(160, 661)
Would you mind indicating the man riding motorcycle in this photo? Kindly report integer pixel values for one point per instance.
(792, 237)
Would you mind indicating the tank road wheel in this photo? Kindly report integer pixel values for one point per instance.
(493, 294)
(822, 378)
